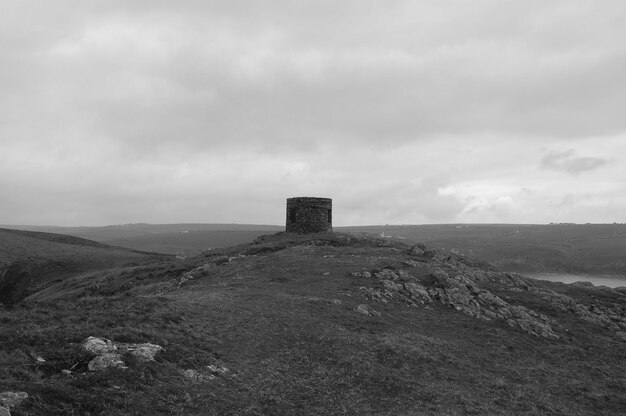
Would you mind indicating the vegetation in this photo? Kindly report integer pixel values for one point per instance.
(270, 328)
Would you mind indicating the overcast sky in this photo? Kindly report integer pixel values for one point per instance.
(438, 111)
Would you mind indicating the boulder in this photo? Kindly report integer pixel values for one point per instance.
(366, 310)
(98, 346)
(10, 399)
(143, 352)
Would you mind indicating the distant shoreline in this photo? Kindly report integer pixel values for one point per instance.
(597, 280)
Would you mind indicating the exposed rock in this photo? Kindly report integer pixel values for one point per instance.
(143, 352)
(366, 310)
(421, 251)
(108, 353)
(98, 346)
(386, 274)
(10, 399)
(453, 281)
(106, 360)
(4, 411)
(361, 274)
(417, 292)
(197, 376)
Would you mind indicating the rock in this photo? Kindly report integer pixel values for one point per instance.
(386, 274)
(107, 360)
(98, 346)
(421, 251)
(417, 292)
(621, 335)
(366, 310)
(361, 274)
(218, 369)
(391, 286)
(108, 353)
(10, 399)
(66, 372)
(195, 375)
(4, 411)
(143, 352)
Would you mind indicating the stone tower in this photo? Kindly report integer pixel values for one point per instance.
(309, 215)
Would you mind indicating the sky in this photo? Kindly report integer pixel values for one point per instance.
(402, 112)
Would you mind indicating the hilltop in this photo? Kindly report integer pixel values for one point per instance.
(29, 261)
(319, 324)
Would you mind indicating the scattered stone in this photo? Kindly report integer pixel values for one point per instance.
(11, 399)
(366, 310)
(197, 376)
(143, 352)
(66, 372)
(417, 292)
(108, 353)
(421, 251)
(217, 369)
(98, 346)
(326, 274)
(386, 274)
(106, 360)
(335, 301)
(361, 274)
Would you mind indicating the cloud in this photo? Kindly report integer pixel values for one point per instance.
(567, 161)
(126, 104)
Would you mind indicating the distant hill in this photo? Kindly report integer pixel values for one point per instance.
(181, 239)
(30, 260)
(559, 248)
(319, 324)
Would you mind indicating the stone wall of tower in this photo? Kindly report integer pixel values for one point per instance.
(309, 215)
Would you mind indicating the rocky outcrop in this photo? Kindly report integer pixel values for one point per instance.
(109, 354)
(455, 288)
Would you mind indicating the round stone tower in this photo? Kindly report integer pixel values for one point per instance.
(309, 215)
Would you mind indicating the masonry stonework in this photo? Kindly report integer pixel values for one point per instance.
(309, 215)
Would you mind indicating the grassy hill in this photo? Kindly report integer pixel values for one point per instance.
(30, 260)
(181, 239)
(321, 324)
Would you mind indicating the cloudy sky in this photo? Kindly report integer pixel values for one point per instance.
(435, 111)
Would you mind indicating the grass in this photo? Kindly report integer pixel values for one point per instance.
(293, 344)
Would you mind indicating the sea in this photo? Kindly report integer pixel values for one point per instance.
(602, 280)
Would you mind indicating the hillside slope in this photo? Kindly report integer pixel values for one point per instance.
(323, 324)
(31, 260)
(182, 239)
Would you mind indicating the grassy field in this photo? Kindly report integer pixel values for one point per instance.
(279, 319)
